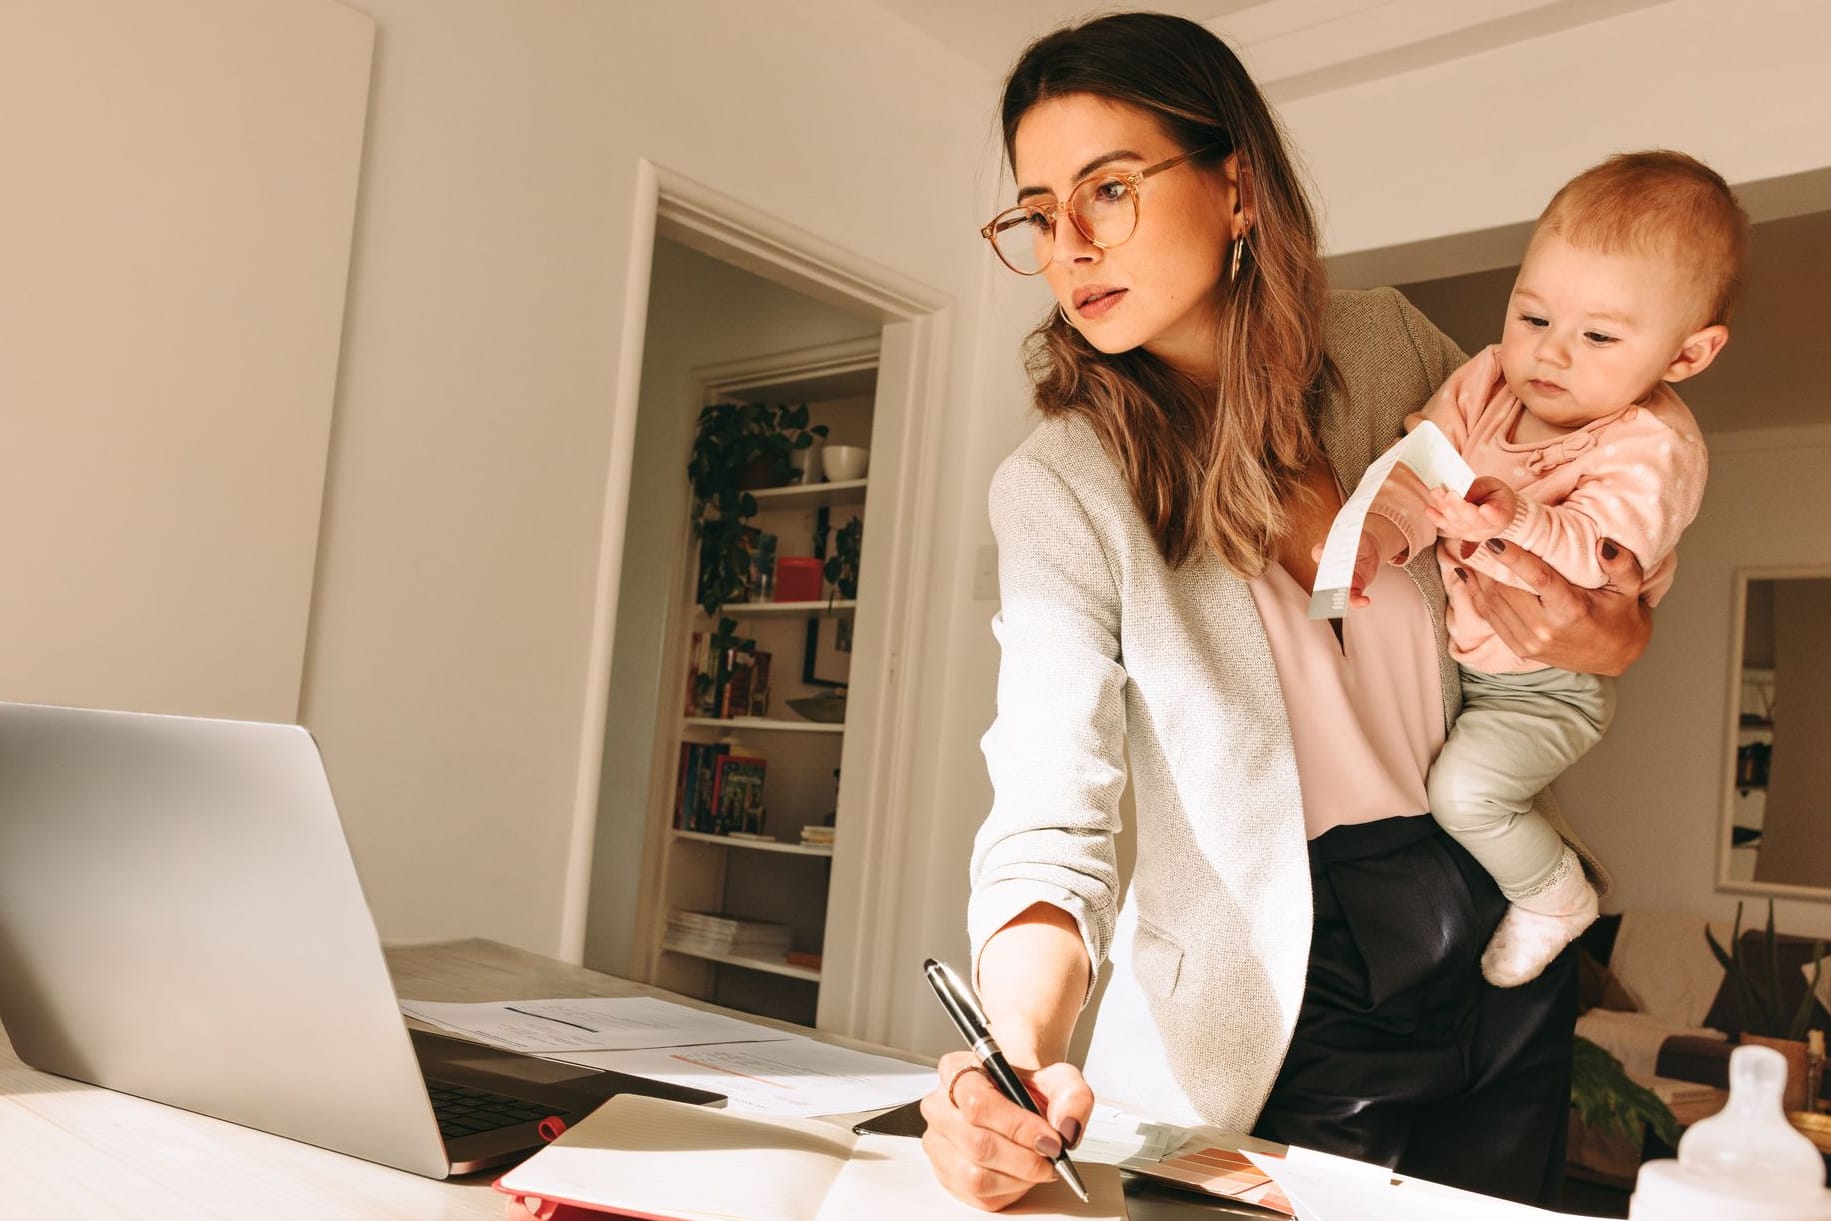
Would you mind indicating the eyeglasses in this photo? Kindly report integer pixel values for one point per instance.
(1104, 208)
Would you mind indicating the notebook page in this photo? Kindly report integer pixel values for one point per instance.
(889, 1179)
(669, 1159)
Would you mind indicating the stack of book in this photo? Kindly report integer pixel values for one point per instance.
(717, 791)
(732, 682)
(708, 933)
(815, 835)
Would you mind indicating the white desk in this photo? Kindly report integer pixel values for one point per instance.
(72, 1151)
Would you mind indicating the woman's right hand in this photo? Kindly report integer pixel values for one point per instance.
(987, 1150)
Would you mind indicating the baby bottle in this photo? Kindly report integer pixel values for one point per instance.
(1746, 1161)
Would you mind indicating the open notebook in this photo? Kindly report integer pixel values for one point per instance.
(644, 1157)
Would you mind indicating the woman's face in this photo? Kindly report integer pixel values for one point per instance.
(1156, 289)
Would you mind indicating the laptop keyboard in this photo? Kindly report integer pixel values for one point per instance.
(465, 1112)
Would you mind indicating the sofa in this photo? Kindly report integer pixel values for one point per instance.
(1652, 989)
(1653, 995)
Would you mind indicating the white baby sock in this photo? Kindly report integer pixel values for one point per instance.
(1539, 925)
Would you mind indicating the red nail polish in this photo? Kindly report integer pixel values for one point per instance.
(1609, 550)
(1461, 575)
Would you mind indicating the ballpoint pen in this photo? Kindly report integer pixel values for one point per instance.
(970, 1020)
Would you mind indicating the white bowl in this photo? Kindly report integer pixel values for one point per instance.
(842, 462)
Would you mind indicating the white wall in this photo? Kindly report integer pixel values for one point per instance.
(177, 186)
(700, 312)
(475, 458)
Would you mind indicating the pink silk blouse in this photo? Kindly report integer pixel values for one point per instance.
(1366, 712)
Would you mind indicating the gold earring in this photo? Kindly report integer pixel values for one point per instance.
(1233, 269)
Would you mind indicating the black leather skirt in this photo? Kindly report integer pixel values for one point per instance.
(1403, 1055)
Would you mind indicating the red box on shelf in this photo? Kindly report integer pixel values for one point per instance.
(798, 578)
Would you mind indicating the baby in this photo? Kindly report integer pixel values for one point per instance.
(1576, 437)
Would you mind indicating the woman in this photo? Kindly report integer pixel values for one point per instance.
(1205, 403)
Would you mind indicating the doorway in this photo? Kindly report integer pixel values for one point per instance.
(725, 288)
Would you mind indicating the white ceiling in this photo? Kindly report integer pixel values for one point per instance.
(1294, 48)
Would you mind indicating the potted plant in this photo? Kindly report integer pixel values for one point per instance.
(841, 568)
(738, 447)
(1761, 1012)
(1609, 1103)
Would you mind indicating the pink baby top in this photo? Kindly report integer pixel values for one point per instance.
(1366, 712)
(1635, 476)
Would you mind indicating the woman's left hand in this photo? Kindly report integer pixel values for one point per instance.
(1551, 621)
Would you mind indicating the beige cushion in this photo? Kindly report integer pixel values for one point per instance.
(1823, 966)
(1635, 1038)
(1662, 960)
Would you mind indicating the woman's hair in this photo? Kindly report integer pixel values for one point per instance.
(1203, 478)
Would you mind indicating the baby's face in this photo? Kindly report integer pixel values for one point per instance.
(1588, 333)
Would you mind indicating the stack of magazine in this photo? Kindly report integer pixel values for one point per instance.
(707, 933)
(817, 835)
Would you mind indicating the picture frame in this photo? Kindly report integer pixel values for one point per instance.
(827, 661)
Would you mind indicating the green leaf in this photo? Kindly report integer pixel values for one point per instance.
(1758, 981)
(1606, 1099)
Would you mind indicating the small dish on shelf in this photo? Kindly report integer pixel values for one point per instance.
(826, 709)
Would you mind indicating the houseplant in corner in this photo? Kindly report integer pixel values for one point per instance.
(1762, 991)
(737, 447)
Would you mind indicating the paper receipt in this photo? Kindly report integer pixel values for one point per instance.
(1435, 461)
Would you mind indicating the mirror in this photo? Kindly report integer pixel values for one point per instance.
(1776, 836)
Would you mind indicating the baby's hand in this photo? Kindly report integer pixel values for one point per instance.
(1487, 510)
(1378, 539)
(1367, 560)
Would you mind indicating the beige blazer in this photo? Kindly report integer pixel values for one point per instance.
(1110, 655)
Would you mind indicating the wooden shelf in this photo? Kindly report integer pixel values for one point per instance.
(770, 966)
(839, 608)
(755, 845)
(764, 724)
(810, 495)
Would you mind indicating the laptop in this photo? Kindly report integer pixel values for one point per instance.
(180, 920)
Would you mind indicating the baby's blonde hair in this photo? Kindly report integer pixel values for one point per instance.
(1666, 205)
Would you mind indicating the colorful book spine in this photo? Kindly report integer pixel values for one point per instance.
(737, 794)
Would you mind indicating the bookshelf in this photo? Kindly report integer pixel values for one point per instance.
(698, 867)
(760, 724)
(768, 966)
(789, 610)
(731, 841)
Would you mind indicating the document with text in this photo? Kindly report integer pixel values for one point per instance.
(588, 1023)
(794, 1076)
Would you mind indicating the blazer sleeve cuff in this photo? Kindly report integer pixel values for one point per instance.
(995, 904)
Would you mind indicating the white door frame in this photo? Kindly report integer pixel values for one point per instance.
(858, 957)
